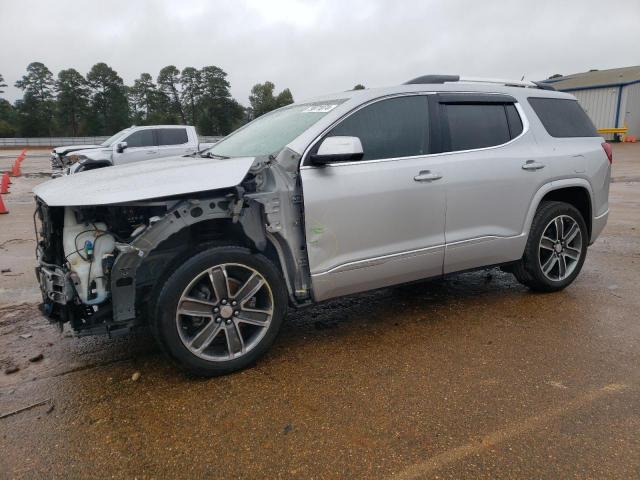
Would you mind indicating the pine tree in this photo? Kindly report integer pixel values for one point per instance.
(37, 106)
(109, 105)
(72, 101)
(169, 86)
(218, 111)
(191, 82)
(2, 84)
(144, 100)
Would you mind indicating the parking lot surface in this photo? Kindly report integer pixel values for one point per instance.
(469, 377)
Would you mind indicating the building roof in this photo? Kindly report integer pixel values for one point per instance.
(596, 78)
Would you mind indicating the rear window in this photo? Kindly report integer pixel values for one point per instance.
(477, 126)
(172, 136)
(563, 117)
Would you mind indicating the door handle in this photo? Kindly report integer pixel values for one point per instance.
(427, 176)
(532, 165)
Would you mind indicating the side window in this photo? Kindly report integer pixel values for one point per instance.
(476, 125)
(396, 127)
(563, 117)
(141, 138)
(515, 122)
(172, 136)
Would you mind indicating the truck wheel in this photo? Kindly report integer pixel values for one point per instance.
(555, 250)
(220, 310)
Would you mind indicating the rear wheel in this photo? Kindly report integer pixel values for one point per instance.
(555, 250)
(220, 310)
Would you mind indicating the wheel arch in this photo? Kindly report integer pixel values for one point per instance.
(190, 225)
(193, 239)
(574, 191)
(89, 164)
(578, 197)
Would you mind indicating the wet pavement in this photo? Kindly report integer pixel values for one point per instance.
(469, 377)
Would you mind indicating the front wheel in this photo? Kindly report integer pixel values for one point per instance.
(220, 310)
(555, 250)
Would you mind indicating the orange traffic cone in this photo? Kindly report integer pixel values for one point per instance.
(3, 209)
(15, 171)
(4, 183)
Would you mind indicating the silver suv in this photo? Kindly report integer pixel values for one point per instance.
(346, 193)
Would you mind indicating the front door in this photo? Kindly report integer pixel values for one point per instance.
(378, 221)
(141, 145)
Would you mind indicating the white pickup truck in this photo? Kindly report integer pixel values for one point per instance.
(132, 144)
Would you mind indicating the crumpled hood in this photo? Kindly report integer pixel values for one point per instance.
(93, 153)
(143, 180)
(72, 148)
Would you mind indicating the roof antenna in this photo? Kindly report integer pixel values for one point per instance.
(522, 79)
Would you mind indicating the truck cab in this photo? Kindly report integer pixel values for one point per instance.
(133, 144)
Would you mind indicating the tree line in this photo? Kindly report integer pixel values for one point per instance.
(101, 104)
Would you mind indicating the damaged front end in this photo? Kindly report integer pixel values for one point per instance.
(77, 249)
(99, 266)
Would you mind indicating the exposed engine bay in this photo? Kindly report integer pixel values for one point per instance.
(98, 265)
(77, 248)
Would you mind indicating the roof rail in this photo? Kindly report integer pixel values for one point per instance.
(545, 86)
(433, 79)
(457, 78)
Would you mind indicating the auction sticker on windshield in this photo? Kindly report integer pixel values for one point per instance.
(319, 108)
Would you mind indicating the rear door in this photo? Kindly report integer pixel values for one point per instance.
(141, 145)
(174, 141)
(491, 177)
(380, 220)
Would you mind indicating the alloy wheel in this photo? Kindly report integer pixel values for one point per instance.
(560, 248)
(224, 312)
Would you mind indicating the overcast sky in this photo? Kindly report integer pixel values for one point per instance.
(323, 46)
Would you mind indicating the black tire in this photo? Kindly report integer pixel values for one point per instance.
(164, 322)
(528, 270)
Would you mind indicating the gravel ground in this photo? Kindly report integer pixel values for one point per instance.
(469, 377)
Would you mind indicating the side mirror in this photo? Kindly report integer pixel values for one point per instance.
(338, 149)
(120, 147)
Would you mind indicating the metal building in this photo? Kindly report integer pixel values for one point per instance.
(610, 97)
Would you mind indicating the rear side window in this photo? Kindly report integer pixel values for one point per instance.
(141, 138)
(396, 127)
(474, 125)
(172, 136)
(563, 118)
(515, 122)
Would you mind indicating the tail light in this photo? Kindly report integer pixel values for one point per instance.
(608, 150)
